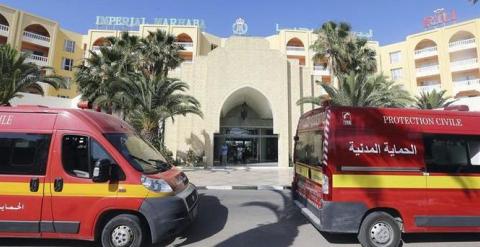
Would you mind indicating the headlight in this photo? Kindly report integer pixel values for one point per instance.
(156, 185)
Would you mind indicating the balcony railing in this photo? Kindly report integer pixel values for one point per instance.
(428, 88)
(4, 30)
(426, 52)
(462, 44)
(36, 38)
(188, 46)
(428, 70)
(295, 50)
(38, 60)
(466, 85)
(464, 64)
(321, 70)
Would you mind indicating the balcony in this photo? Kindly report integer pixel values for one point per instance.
(466, 64)
(4, 30)
(428, 70)
(428, 88)
(296, 50)
(321, 70)
(466, 85)
(426, 52)
(462, 45)
(36, 39)
(187, 46)
(38, 60)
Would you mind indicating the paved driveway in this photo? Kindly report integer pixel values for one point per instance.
(261, 218)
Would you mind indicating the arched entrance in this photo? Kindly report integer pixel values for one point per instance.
(246, 130)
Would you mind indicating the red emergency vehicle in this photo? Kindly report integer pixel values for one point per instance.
(86, 175)
(381, 172)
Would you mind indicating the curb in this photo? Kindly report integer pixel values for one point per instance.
(247, 187)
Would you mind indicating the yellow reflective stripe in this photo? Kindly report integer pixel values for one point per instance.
(301, 170)
(19, 189)
(378, 181)
(316, 176)
(453, 182)
(86, 190)
(80, 190)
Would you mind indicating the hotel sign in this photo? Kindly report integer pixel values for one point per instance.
(131, 23)
(439, 18)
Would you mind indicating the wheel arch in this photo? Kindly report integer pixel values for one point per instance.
(107, 215)
(391, 211)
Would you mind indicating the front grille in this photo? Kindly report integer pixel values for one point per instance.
(191, 199)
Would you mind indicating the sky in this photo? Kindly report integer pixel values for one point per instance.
(390, 20)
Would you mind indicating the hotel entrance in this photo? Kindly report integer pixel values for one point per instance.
(240, 146)
(246, 135)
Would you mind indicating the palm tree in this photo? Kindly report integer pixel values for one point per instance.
(131, 76)
(156, 99)
(432, 100)
(331, 43)
(159, 53)
(16, 75)
(358, 90)
(101, 69)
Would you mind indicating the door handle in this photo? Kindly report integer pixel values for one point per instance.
(58, 184)
(34, 184)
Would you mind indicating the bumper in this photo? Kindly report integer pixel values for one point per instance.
(335, 217)
(168, 216)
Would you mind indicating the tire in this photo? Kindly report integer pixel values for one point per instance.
(379, 229)
(124, 230)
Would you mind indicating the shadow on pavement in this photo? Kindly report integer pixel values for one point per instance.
(281, 233)
(211, 219)
(340, 238)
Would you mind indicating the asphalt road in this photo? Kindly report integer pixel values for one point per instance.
(260, 218)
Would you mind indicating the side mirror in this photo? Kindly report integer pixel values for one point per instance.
(102, 172)
(296, 138)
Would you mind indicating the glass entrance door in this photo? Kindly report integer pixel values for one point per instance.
(240, 146)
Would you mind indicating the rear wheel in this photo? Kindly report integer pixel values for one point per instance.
(124, 230)
(379, 229)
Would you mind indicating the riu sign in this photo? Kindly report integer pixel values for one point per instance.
(439, 18)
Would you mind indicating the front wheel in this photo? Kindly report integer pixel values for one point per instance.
(124, 230)
(379, 229)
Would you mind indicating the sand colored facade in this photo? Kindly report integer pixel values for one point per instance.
(46, 42)
(248, 86)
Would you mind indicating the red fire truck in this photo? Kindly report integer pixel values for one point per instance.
(381, 172)
(86, 175)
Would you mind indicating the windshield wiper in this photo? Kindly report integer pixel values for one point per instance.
(160, 164)
(141, 160)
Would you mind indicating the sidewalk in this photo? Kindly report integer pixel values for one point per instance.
(240, 177)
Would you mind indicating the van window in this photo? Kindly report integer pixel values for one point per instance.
(24, 154)
(309, 148)
(79, 154)
(447, 153)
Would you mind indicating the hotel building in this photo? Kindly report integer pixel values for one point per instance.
(248, 86)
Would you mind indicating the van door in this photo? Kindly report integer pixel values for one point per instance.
(75, 199)
(453, 182)
(23, 162)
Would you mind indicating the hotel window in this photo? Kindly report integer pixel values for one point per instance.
(395, 57)
(69, 46)
(67, 64)
(397, 74)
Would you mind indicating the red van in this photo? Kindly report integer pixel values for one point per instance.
(86, 175)
(381, 172)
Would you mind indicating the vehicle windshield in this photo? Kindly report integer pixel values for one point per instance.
(140, 154)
